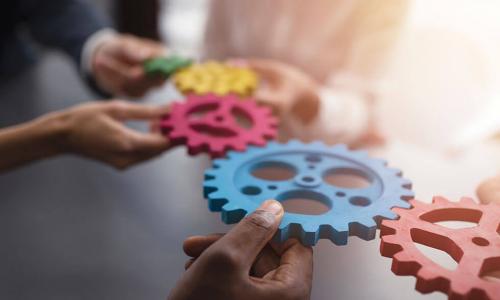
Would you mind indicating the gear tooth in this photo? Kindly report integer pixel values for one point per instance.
(383, 163)
(403, 256)
(406, 183)
(363, 229)
(396, 172)
(194, 143)
(308, 236)
(216, 194)
(391, 239)
(313, 228)
(408, 195)
(401, 204)
(210, 174)
(402, 264)
(388, 215)
(415, 203)
(291, 143)
(232, 154)
(389, 246)
(361, 154)
(208, 189)
(340, 147)
(440, 200)
(467, 201)
(317, 144)
(231, 216)
(400, 211)
(428, 282)
(218, 163)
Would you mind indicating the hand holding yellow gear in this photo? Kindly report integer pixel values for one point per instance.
(218, 78)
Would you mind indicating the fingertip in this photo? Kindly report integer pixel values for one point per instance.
(189, 263)
(188, 243)
(273, 207)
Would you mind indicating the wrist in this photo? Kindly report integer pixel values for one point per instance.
(54, 129)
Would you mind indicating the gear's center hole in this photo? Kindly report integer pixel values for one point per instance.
(305, 202)
(308, 179)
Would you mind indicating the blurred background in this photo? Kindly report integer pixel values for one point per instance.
(73, 229)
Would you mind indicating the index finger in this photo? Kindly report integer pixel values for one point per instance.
(132, 111)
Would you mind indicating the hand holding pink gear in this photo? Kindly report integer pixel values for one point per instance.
(214, 124)
(476, 249)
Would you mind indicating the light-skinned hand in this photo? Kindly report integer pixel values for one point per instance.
(287, 89)
(489, 190)
(117, 65)
(97, 130)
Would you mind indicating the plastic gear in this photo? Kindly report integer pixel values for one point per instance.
(166, 66)
(218, 78)
(216, 124)
(476, 249)
(232, 187)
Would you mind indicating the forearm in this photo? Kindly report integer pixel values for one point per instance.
(35, 140)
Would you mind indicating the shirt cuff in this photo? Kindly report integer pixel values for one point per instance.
(89, 48)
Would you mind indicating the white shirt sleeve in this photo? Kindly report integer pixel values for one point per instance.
(89, 48)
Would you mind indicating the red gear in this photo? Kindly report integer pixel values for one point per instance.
(217, 130)
(476, 249)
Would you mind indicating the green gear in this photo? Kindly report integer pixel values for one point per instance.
(165, 66)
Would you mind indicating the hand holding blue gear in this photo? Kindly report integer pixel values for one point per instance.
(232, 188)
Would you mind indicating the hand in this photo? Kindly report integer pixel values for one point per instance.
(96, 130)
(489, 190)
(242, 265)
(288, 90)
(117, 65)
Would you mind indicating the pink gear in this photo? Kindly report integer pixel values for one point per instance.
(210, 124)
(476, 249)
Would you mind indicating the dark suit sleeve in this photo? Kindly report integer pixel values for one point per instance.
(63, 24)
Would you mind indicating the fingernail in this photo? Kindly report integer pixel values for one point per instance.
(272, 206)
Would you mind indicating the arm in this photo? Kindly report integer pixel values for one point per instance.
(111, 63)
(29, 142)
(63, 24)
(93, 130)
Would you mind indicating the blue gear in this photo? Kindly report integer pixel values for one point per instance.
(231, 188)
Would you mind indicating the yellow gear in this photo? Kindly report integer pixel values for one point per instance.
(218, 78)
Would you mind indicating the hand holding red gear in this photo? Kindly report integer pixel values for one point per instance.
(476, 249)
(217, 130)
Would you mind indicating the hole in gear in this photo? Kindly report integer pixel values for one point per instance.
(454, 218)
(213, 131)
(305, 202)
(347, 178)
(200, 111)
(251, 190)
(308, 179)
(273, 171)
(480, 241)
(490, 270)
(242, 118)
(313, 158)
(440, 249)
(360, 201)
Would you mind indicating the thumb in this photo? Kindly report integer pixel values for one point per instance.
(250, 236)
(145, 143)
